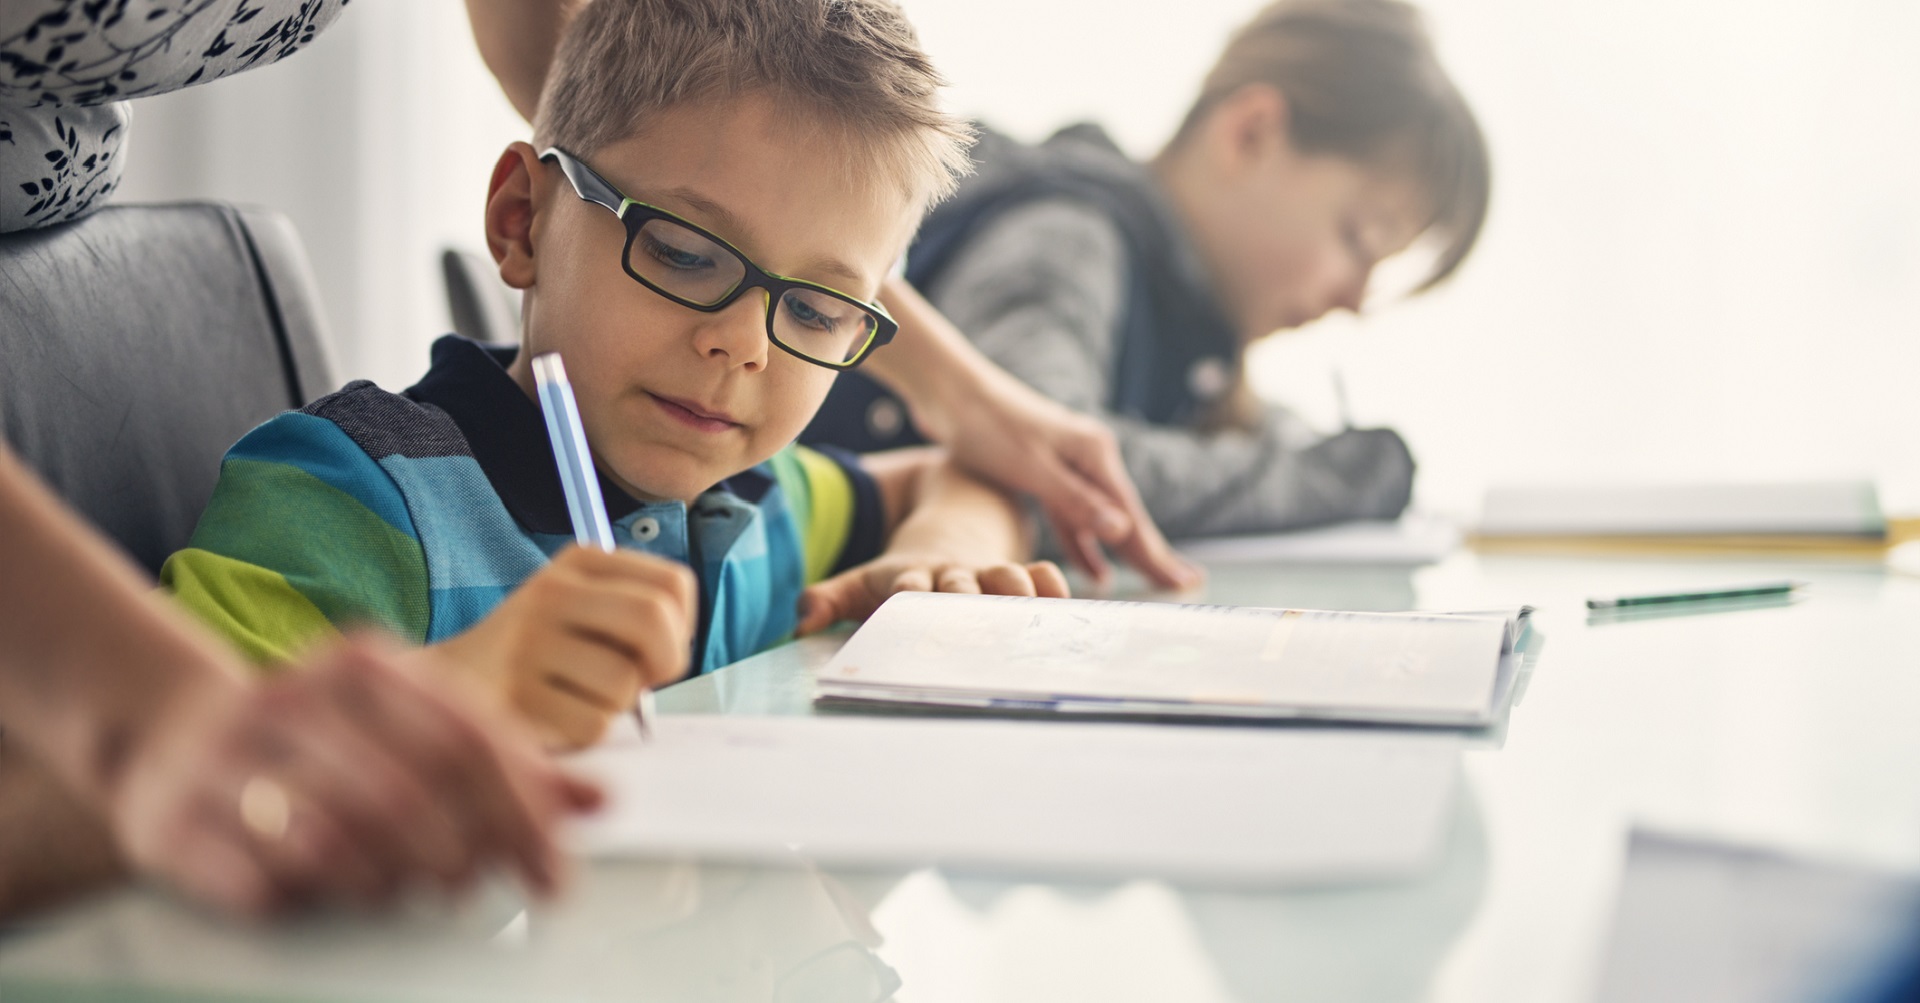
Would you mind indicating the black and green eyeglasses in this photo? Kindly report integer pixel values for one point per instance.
(700, 271)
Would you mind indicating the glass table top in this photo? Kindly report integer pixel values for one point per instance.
(1788, 725)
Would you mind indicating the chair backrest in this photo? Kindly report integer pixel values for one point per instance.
(482, 306)
(139, 343)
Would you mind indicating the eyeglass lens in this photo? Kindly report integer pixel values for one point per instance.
(688, 265)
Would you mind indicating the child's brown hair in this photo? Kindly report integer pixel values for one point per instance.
(1362, 83)
(850, 70)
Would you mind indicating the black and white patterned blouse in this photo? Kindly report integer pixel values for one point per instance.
(68, 66)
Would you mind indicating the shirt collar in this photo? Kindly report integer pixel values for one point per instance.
(508, 435)
(505, 429)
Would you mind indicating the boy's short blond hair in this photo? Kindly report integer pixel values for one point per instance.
(852, 69)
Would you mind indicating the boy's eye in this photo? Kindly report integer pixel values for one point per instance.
(674, 257)
(809, 314)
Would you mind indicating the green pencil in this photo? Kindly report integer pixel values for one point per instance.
(1774, 588)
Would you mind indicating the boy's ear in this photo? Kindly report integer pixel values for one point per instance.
(1251, 125)
(511, 210)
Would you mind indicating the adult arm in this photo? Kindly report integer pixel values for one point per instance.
(151, 725)
(517, 39)
(997, 427)
(1041, 291)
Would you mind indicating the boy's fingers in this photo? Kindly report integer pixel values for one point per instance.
(651, 630)
(961, 580)
(641, 568)
(665, 639)
(826, 603)
(1006, 580)
(910, 580)
(1049, 580)
(605, 675)
(564, 720)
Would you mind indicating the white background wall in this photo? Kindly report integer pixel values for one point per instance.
(1703, 259)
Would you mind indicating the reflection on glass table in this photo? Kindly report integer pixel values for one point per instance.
(1789, 728)
(669, 930)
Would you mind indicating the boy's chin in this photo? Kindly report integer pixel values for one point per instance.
(670, 481)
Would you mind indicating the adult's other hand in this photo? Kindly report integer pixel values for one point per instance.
(347, 779)
(1008, 433)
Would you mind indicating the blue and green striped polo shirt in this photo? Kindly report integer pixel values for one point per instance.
(419, 512)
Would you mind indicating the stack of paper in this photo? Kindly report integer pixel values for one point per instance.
(1127, 659)
(1812, 515)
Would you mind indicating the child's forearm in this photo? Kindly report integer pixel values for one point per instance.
(954, 515)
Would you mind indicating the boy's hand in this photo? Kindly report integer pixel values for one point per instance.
(855, 593)
(574, 645)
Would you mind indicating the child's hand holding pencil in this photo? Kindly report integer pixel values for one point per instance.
(576, 644)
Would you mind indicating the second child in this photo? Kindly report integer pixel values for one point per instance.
(1325, 139)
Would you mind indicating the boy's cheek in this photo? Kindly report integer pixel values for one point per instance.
(792, 392)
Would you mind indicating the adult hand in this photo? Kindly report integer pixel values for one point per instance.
(346, 779)
(1070, 463)
(1006, 432)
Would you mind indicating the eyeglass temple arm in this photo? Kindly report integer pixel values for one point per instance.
(589, 186)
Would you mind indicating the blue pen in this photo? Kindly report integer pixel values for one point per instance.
(577, 478)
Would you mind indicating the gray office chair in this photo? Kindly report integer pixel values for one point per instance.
(483, 307)
(139, 343)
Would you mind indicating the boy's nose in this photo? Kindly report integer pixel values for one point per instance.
(737, 335)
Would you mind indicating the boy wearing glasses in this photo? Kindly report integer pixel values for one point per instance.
(719, 190)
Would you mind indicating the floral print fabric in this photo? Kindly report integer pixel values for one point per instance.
(67, 68)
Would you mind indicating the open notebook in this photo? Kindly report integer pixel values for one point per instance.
(1160, 660)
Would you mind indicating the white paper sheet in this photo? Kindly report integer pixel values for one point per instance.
(1412, 539)
(1236, 805)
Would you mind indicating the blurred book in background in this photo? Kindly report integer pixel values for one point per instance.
(1811, 518)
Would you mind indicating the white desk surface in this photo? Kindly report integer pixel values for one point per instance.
(1794, 726)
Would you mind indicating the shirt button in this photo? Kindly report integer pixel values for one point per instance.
(1209, 378)
(646, 528)
(885, 419)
